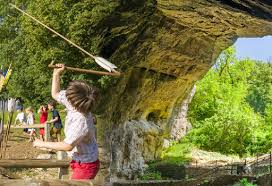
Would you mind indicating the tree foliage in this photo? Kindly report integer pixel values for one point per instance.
(260, 87)
(231, 110)
(30, 47)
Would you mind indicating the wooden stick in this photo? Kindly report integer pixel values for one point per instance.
(35, 126)
(55, 32)
(3, 121)
(47, 132)
(62, 172)
(33, 163)
(3, 150)
(7, 132)
(115, 73)
(87, 71)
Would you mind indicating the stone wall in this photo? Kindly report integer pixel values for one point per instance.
(132, 145)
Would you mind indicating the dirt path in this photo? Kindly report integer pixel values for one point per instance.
(205, 158)
(18, 147)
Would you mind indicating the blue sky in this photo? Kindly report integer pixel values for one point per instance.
(254, 48)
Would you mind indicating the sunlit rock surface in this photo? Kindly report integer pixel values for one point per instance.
(134, 144)
(163, 48)
(180, 124)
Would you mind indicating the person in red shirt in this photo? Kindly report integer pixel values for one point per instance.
(43, 111)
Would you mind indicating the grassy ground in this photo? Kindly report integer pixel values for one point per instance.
(18, 146)
(175, 156)
(180, 154)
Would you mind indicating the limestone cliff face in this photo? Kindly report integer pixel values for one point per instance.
(163, 47)
(181, 125)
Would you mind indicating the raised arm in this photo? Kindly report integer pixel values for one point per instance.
(40, 110)
(56, 80)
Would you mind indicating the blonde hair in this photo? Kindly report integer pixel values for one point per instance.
(29, 109)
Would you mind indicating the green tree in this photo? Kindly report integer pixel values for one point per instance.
(230, 130)
(30, 47)
(260, 87)
(224, 83)
(222, 118)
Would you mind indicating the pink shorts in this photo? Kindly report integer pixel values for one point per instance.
(84, 170)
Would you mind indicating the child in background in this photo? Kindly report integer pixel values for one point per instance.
(55, 131)
(20, 117)
(79, 98)
(30, 121)
(43, 118)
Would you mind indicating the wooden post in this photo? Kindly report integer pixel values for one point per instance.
(63, 171)
(34, 163)
(47, 132)
(270, 156)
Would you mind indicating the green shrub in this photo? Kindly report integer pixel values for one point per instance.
(231, 110)
(244, 182)
(151, 175)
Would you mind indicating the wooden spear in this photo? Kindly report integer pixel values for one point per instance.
(86, 71)
(99, 60)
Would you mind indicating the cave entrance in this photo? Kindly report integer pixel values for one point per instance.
(231, 111)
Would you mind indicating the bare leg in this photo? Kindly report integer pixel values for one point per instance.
(58, 137)
(32, 136)
(41, 137)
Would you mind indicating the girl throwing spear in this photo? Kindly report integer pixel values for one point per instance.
(79, 99)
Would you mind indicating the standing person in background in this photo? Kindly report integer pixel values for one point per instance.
(55, 131)
(19, 104)
(20, 117)
(30, 121)
(43, 111)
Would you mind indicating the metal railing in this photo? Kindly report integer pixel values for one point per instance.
(262, 164)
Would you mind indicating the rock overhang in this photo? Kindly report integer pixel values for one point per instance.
(170, 46)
